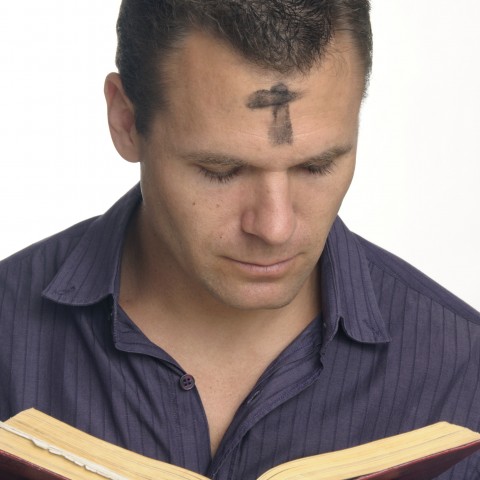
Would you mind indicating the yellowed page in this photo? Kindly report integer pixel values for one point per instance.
(60, 436)
(375, 456)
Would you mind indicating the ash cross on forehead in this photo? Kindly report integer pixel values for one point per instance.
(278, 97)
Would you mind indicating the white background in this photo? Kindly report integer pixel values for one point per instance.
(416, 191)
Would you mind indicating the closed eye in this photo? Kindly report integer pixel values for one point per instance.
(222, 176)
(319, 169)
(324, 164)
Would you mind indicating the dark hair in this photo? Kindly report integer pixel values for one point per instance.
(282, 35)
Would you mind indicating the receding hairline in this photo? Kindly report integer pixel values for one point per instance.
(340, 37)
(338, 45)
(262, 32)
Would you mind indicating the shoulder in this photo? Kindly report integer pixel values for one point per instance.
(76, 266)
(410, 284)
(36, 265)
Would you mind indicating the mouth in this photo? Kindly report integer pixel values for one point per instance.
(264, 268)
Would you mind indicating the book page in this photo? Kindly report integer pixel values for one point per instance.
(65, 450)
(375, 456)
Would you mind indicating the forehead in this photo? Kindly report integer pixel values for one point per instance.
(212, 88)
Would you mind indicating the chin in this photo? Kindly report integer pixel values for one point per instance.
(261, 305)
(258, 298)
(247, 293)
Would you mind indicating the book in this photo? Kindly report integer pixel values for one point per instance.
(35, 446)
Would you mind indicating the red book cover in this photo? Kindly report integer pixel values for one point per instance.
(16, 468)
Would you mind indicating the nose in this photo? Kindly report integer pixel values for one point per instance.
(269, 213)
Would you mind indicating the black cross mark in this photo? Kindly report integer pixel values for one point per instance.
(278, 97)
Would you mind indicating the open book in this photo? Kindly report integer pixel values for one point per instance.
(34, 446)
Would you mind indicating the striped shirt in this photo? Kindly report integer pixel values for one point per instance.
(391, 351)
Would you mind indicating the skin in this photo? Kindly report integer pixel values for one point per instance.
(222, 253)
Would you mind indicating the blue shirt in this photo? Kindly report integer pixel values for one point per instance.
(391, 351)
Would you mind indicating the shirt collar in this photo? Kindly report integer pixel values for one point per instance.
(91, 273)
(348, 296)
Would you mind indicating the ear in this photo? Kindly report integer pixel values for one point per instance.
(121, 119)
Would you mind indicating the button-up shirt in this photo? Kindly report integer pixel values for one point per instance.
(390, 351)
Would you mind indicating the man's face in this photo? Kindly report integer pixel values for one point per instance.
(244, 174)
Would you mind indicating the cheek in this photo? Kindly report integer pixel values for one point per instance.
(325, 194)
(339, 183)
(200, 219)
(320, 203)
(194, 216)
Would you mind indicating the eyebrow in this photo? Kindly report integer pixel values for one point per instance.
(215, 159)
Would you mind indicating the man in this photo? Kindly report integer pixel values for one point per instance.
(221, 317)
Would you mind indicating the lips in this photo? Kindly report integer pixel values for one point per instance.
(264, 268)
(265, 264)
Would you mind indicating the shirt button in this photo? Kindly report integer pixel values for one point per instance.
(187, 382)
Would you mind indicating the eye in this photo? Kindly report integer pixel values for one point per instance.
(220, 176)
(319, 169)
